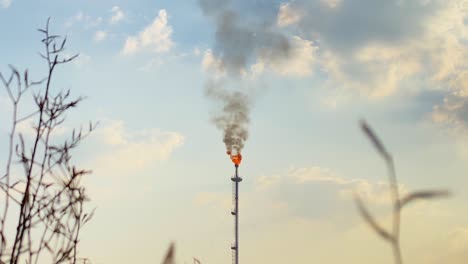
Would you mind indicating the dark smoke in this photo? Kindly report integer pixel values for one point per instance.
(233, 119)
(238, 45)
(241, 39)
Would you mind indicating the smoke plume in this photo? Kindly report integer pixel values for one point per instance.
(241, 39)
(233, 119)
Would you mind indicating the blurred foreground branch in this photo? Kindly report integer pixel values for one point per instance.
(391, 236)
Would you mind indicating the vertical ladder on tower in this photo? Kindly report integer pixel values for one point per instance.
(235, 212)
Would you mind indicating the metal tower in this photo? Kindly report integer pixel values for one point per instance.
(235, 212)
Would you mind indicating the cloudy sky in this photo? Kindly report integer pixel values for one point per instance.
(155, 74)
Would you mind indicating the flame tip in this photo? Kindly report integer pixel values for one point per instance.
(236, 159)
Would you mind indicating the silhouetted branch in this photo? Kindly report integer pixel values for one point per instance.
(371, 221)
(392, 237)
(170, 258)
(423, 195)
(49, 197)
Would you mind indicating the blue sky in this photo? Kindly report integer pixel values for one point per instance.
(160, 169)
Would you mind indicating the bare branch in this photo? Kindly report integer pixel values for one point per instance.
(375, 140)
(419, 195)
(371, 221)
(49, 197)
(392, 237)
(170, 259)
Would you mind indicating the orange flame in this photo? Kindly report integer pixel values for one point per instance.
(236, 159)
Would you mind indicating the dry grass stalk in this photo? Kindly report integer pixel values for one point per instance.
(392, 236)
(170, 258)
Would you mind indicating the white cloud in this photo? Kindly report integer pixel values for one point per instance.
(287, 15)
(158, 34)
(376, 70)
(377, 192)
(113, 133)
(124, 159)
(100, 35)
(131, 45)
(5, 3)
(82, 60)
(425, 49)
(82, 18)
(26, 128)
(211, 63)
(131, 150)
(300, 61)
(315, 174)
(332, 3)
(117, 15)
(324, 185)
(448, 61)
(78, 17)
(156, 37)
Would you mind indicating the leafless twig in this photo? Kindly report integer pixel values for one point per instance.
(48, 196)
(170, 258)
(392, 236)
